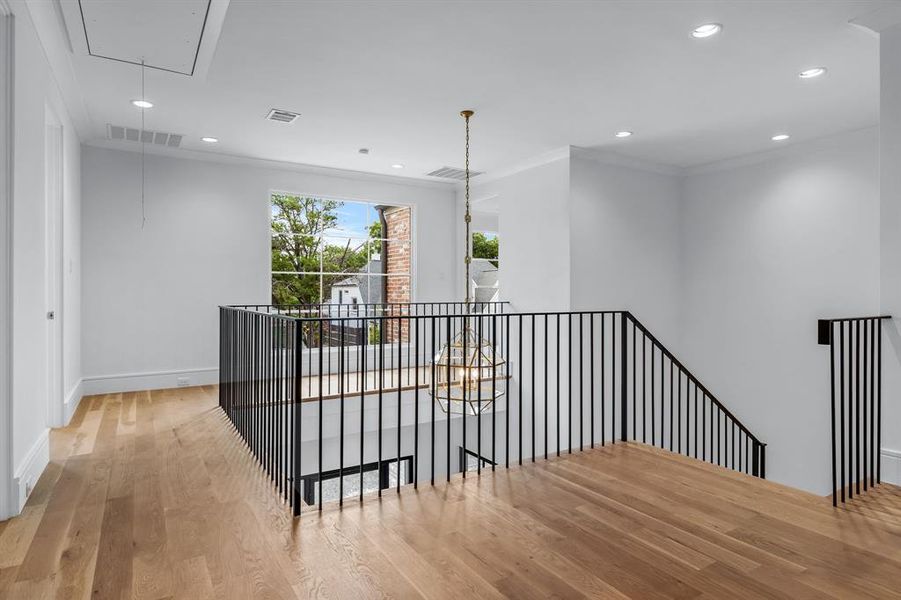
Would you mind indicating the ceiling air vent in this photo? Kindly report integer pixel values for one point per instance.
(452, 173)
(131, 134)
(282, 116)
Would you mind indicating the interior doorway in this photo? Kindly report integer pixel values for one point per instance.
(53, 246)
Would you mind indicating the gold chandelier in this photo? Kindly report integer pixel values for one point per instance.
(469, 374)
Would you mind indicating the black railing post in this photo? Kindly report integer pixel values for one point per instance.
(755, 459)
(624, 398)
(296, 400)
(832, 411)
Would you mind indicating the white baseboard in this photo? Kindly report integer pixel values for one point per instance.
(159, 380)
(29, 470)
(73, 399)
(891, 466)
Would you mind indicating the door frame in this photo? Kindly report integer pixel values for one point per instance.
(8, 505)
(53, 264)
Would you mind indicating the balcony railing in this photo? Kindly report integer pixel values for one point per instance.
(427, 393)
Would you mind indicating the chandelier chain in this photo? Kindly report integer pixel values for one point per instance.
(468, 217)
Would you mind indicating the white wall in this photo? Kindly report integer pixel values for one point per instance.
(533, 225)
(890, 181)
(768, 248)
(36, 89)
(624, 244)
(151, 294)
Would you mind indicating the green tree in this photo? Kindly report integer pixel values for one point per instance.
(485, 247)
(298, 246)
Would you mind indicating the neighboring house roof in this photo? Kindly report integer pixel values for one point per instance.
(370, 287)
(484, 280)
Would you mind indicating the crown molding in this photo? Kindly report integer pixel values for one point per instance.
(525, 165)
(263, 163)
(613, 158)
(802, 147)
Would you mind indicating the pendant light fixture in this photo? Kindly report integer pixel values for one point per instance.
(469, 374)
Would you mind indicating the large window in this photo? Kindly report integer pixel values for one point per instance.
(341, 252)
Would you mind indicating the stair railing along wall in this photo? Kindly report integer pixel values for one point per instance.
(855, 376)
(337, 405)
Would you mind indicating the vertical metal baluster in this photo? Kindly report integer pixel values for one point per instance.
(507, 378)
(532, 448)
(364, 376)
(493, 391)
(644, 389)
(416, 323)
(297, 433)
(653, 407)
(400, 364)
(569, 382)
(879, 405)
(591, 374)
(321, 350)
(519, 420)
(613, 378)
(857, 406)
(432, 401)
(466, 384)
(841, 404)
(863, 446)
(556, 383)
(381, 361)
(671, 403)
(634, 384)
(479, 339)
(341, 367)
(874, 324)
(447, 331)
(603, 380)
(581, 384)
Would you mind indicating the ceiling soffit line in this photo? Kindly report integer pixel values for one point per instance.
(178, 38)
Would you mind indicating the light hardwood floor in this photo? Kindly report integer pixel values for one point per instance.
(151, 495)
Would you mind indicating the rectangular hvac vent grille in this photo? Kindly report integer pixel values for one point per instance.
(282, 116)
(452, 173)
(130, 134)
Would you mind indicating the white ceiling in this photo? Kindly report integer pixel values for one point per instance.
(393, 76)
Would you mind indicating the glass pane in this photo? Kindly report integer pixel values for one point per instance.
(345, 255)
(486, 245)
(295, 253)
(297, 214)
(295, 288)
(348, 220)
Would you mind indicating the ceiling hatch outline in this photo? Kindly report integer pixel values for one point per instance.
(203, 26)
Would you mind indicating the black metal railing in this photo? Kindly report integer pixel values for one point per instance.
(855, 375)
(347, 418)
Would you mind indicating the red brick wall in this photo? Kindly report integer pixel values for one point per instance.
(398, 261)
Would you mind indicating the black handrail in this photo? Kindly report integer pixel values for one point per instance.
(856, 443)
(562, 376)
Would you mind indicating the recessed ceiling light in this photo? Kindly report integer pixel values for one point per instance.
(811, 73)
(397, 166)
(623, 134)
(706, 30)
(780, 137)
(363, 150)
(209, 140)
(142, 103)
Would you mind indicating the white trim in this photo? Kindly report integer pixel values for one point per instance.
(891, 466)
(29, 470)
(262, 163)
(525, 165)
(7, 131)
(612, 158)
(805, 147)
(73, 399)
(149, 380)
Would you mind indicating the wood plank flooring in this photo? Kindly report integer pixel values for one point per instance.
(151, 495)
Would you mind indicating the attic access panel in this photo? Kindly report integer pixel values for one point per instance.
(167, 35)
